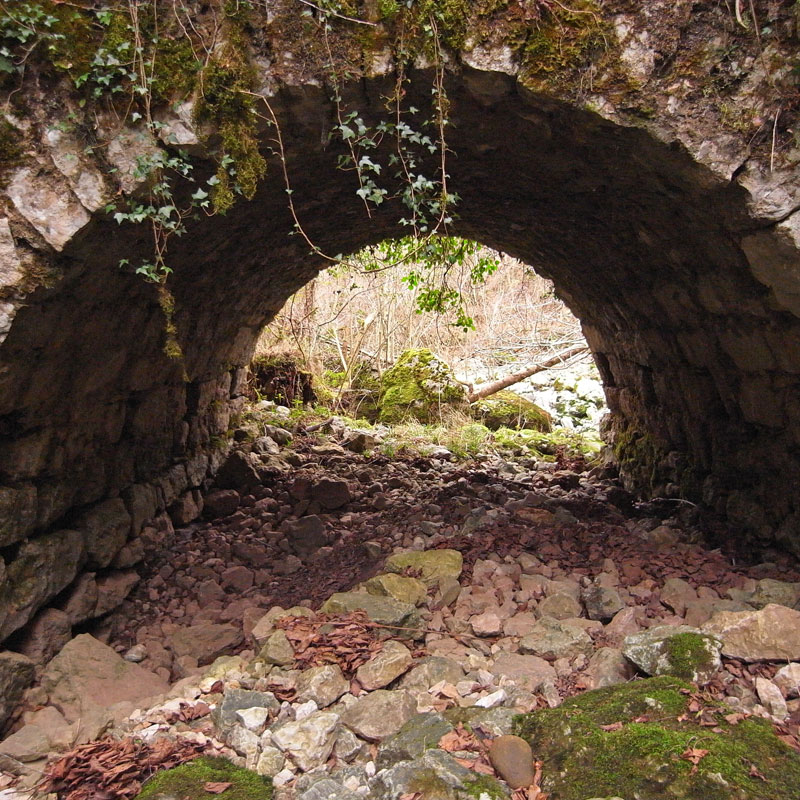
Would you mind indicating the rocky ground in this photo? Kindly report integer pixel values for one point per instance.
(354, 626)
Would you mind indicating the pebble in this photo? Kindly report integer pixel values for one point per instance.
(512, 757)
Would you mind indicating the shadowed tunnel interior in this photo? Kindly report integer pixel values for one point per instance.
(700, 366)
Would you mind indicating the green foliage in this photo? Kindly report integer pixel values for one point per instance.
(23, 28)
(161, 209)
(188, 781)
(437, 275)
(590, 748)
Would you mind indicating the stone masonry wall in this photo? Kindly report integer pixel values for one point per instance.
(669, 228)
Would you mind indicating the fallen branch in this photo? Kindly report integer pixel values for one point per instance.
(497, 386)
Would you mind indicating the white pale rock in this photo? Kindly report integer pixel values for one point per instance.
(244, 742)
(270, 762)
(492, 700)
(771, 698)
(254, 719)
(787, 679)
(305, 710)
(48, 205)
(310, 741)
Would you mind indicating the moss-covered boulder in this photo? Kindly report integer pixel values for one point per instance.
(639, 741)
(419, 386)
(507, 409)
(188, 782)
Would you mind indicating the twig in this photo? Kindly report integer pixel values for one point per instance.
(331, 13)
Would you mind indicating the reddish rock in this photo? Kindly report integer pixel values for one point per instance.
(239, 579)
(221, 503)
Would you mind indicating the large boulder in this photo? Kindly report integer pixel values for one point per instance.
(639, 741)
(418, 386)
(770, 634)
(507, 409)
(88, 676)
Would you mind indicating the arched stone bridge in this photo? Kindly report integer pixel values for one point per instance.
(671, 233)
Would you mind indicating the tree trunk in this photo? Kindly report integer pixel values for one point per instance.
(497, 386)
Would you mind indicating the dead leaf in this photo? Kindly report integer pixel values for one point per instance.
(756, 773)
(614, 726)
(217, 787)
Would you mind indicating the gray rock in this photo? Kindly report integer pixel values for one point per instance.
(393, 660)
(432, 670)
(432, 564)
(779, 592)
(558, 606)
(44, 566)
(270, 762)
(240, 470)
(205, 641)
(601, 602)
(417, 735)
(309, 741)
(379, 714)
(279, 435)
(384, 610)
(681, 651)
(324, 685)
(224, 715)
(607, 667)
(16, 674)
(104, 529)
(495, 721)
(328, 789)
(348, 746)
(277, 650)
(441, 775)
(551, 639)
(530, 672)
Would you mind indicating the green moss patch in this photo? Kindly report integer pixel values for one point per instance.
(418, 386)
(636, 740)
(507, 409)
(188, 781)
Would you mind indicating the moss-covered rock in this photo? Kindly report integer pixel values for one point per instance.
(591, 747)
(507, 409)
(187, 782)
(420, 386)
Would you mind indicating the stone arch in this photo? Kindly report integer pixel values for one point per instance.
(686, 284)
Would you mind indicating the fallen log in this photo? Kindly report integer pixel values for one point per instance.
(503, 383)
